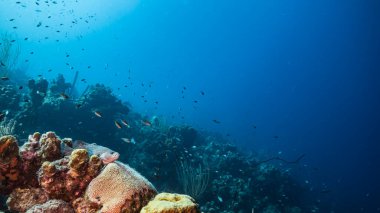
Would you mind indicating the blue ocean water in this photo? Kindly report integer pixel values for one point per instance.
(279, 78)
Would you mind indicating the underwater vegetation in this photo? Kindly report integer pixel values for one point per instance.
(175, 159)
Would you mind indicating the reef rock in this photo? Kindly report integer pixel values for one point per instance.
(171, 203)
(119, 188)
(52, 206)
(20, 200)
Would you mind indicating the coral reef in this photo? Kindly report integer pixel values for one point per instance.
(38, 149)
(59, 85)
(53, 179)
(51, 108)
(171, 203)
(38, 91)
(67, 178)
(233, 182)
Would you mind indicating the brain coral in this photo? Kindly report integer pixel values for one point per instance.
(132, 190)
(171, 203)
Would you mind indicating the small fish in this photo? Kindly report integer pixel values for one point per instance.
(156, 175)
(78, 106)
(276, 137)
(133, 141)
(39, 24)
(40, 93)
(26, 38)
(202, 93)
(4, 78)
(146, 123)
(12, 19)
(98, 114)
(118, 125)
(2, 64)
(195, 101)
(64, 96)
(20, 87)
(220, 199)
(125, 123)
(216, 121)
(126, 140)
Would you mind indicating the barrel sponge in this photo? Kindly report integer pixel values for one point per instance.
(171, 203)
(119, 188)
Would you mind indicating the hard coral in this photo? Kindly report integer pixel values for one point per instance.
(50, 146)
(67, 178)
(171, 203)
(119, 188)
(82, 205)
(9, 164)
(38, 149)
